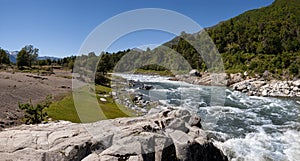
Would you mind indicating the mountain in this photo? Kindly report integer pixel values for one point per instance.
(137, 50)
(12, 55)
(262, 39)
(47, 57)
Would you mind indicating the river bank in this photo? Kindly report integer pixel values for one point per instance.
(243, 127)
(253, 86)
(161, 135)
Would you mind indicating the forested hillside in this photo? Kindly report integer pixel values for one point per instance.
(262, 39)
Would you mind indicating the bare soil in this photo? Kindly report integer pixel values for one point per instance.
(18, 88)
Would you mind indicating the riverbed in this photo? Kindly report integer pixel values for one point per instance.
(244, 127)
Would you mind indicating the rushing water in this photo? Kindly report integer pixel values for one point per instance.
(244, 127)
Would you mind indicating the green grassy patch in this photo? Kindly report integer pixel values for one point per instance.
(64, 110)
(89, 109)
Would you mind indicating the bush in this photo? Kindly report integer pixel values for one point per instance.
(101, 79)
(294, 69)
(35, 114)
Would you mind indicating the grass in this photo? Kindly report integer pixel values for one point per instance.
(64, 110)
(87, 108)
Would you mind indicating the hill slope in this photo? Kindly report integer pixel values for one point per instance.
(257, 40)
(269, 30)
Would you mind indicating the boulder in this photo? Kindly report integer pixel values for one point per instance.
(165, 135)
(264, 93)
(266, 74)
(258, 84)
(235, 78)
(296, 83)
(195, 72)
(195, 120)
(146, 87)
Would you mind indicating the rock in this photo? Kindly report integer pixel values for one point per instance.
(195, 120)
(162, 136)
(266, 74)
(258, 84)
(234, 78)
(245, 90)
(264, 93)
(147, 87)
(113, 93)
(91, 157)
(178, 124)
(296, 83)
(173, 79)
(241, 86)
(195, 72)
(286, 91)
(273, 88)
(250, 93)
(103, 99)
(106, 95)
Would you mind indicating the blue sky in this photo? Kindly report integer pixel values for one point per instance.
(59, 27)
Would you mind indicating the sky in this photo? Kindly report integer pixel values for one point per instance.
(60, 27)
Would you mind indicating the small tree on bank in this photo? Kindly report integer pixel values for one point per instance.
(4, 59)
(27, 56)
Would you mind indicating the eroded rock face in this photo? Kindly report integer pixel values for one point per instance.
(169, 135)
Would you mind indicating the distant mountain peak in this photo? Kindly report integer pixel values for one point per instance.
(138, 50)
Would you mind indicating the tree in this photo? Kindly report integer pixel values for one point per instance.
(27, 56)
(71, 65)
(105, 63)
(4, 59)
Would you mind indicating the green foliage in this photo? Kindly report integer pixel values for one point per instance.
(35, 114)
(101, 79)
(27, 56)
(71, 65)
(4, 59)
(105, 63)
(294, 69)
(269, 30)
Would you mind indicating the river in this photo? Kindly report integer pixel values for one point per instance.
(243, 127)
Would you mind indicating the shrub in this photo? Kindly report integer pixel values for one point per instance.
(35, 114)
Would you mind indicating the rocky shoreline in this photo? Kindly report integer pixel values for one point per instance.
(257, 86)
(167, 135)
(272, 88)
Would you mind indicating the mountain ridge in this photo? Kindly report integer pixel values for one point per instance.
(13, 56)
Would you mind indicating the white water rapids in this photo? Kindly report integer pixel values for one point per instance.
(244, 127)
